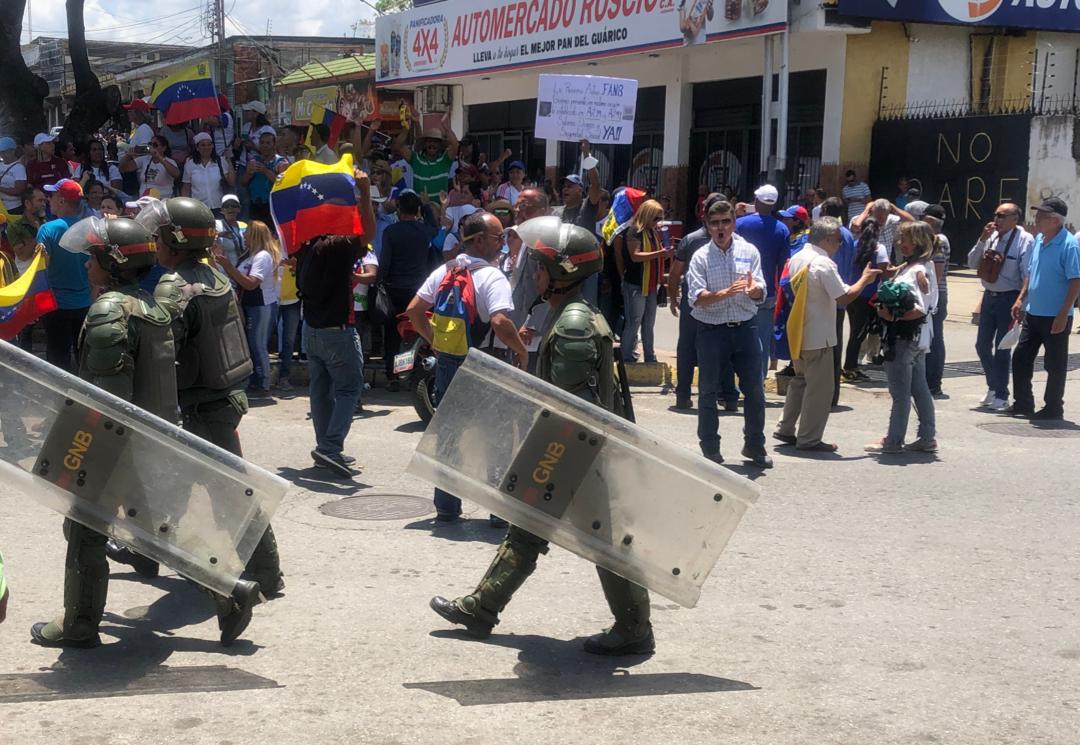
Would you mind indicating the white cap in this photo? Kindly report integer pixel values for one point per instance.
(41, 137)
(376, 195)
(230, 198)
(917, 208)
(767, 194)
(201, 137)
(258, 106)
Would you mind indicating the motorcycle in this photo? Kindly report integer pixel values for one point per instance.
(415, 367)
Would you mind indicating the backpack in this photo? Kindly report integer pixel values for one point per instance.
(455, 317)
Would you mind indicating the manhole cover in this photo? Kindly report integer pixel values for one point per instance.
(378, 507)
(1026, 429)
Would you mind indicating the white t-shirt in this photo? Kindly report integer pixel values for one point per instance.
(143, 134)
(10, 173)
(924, 301)
(261, 266)
(823, 288)
(205, 181)
(450, 243)
(509, 192)
(106, 174)
(492, 287)
(360, 291)
(154, 176)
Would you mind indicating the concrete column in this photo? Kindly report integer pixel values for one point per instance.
(833, 55)
(457, 110)
(678, 121)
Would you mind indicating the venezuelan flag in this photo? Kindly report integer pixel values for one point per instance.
(790, 314)
(311, 199)
(186, 95)
(335, 121)
(624, 204)
(26, 299)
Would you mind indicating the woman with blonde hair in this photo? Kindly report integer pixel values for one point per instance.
(905, 304)
(643, 271)
(256, 276)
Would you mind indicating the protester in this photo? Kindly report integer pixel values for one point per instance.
(110, 206)
(179, 136)
(527, 314)
(934, 216)
(365, 274)
(855, 193)
(868, 250)
(643, 271)
(157, 171)
(95, 167)
(206, 176)
(888, 217)
(850, 273)
(906, 341)
(431, 163)
(511, 190)
(770, 237)
(449, 337)
(1045, 306)
(138, 112)
(67, 276)
(578, 206)
(817, 199)
(221, 128)
(810, 390)
(262, 170)
(797, 220)
(230, 229)
(404, 264)
(725, 287)
(12, 177)
(45, 168)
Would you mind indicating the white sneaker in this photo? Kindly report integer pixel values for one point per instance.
(988, 398)
(998, 404)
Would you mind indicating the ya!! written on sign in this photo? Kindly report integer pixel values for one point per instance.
(586, 107)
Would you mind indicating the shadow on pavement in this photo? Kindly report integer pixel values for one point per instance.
(794, 452)
(906, 459)
(133, 665)
(321, 480)
(409, 427)
(558, 670)
(746, 470)
(461, 529)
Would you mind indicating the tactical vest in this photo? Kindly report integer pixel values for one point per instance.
(143, 331)
(589, 342)
(217, 356)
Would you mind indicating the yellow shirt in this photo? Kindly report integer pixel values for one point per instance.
(288, 285)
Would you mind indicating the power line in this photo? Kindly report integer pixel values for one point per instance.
(126, 26)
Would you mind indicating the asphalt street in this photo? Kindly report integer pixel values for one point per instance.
(908, 599)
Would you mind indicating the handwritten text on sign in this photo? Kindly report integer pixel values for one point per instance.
(576, 107)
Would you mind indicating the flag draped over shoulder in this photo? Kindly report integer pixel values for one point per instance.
(26, 299)
(790, 314)
(624, 203)
(186, 95)
(335, 121)
(311, 199)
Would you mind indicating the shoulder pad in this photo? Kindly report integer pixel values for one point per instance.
(172, 293)
(204, 279)
(110, 307)
(151, 311)
(577, 321)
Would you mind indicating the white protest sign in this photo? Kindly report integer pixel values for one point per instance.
(586, 107)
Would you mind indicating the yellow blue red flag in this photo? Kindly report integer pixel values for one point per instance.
(333, 120)
(186, 95)
(26, 299)
(311, 199)
(790, 314)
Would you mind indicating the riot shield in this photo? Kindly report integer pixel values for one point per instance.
(123, 472)
(582, 478)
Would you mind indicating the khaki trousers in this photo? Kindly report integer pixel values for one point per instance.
(809, 398)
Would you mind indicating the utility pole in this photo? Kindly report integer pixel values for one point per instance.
(217, 36)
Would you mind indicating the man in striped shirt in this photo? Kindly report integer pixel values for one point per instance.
(725, 286)
(437, 150)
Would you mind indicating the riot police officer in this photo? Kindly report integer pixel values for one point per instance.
(576, 354)
(213, 360)
(125, 348)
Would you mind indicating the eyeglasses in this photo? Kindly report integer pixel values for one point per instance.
(721, 221)
(1004, 215)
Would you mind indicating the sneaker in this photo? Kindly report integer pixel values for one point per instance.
(883, 447)
(922, 446)
(714, 457)
(1047, 415)
(997, 404)
(989, 398)
(758, 457)
(1020, 412)
(335, 463)
(284, 384)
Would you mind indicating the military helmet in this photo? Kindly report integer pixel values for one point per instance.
(188, 225)
(119, 245)
(568, 252)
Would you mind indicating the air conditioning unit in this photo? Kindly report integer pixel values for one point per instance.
(435, 99)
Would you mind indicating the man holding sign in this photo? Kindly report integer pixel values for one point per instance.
(725, 286)
(580, 207)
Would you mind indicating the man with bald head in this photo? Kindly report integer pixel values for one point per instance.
(1004, 243)
(531, 203)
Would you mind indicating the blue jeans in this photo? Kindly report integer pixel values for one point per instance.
(738, 346)
(446, 367)
(935, 358)
(765, 322)
(994, 320)
(257, 322)
(686, 350)
(288, 324)
(336, 368)
(640, 313)
(906, 373)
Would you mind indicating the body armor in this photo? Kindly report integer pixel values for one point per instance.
(577, 355)
(212, 351)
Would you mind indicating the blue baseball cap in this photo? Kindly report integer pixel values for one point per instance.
(516, 164)
(573, 178)
(6, 143)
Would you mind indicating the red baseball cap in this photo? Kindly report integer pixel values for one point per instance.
(68, 188)
(223, 102)
(137, 104)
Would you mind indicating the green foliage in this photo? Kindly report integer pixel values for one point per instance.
(392, 6)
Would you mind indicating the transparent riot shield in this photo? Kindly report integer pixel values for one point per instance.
(582, 478)
(121, 471)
